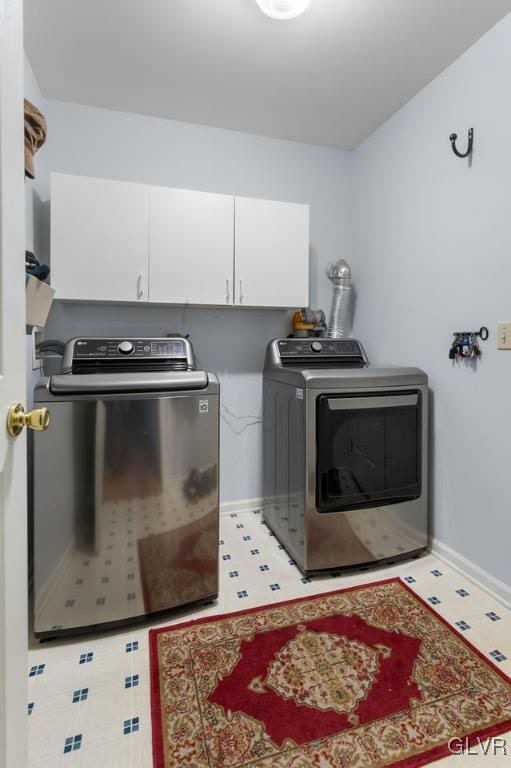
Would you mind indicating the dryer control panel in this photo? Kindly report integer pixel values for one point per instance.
(316, 351)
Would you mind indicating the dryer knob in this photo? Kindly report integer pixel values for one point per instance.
(316, 346)
(125, 348)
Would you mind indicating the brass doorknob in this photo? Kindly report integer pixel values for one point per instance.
(38, 419)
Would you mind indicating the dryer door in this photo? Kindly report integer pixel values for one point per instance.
(368, 450)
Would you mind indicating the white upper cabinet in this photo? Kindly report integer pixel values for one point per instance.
(117, 241)
(99, 239)
(191, 242)
(272, 253)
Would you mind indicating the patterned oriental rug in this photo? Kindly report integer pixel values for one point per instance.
(357, 678)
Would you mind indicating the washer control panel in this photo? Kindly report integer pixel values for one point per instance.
(95, 354)
(119, 348)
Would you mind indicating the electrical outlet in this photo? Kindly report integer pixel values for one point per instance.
(504, 336)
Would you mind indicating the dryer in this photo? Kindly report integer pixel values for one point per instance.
(345, 454)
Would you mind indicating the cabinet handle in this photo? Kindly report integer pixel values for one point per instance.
(228, 295)
(241, 291)
(140, 286)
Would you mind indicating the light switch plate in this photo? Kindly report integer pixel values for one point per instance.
(504, 336)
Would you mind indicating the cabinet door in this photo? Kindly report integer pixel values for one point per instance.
(99, 239)
(191, 242)
(271, 253)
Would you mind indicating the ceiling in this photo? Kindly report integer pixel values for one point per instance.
(328, 77)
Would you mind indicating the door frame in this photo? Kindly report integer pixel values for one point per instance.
(13, 476)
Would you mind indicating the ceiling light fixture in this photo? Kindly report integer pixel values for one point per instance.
(283, 9)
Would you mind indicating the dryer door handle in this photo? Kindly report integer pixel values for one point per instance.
(371, 403)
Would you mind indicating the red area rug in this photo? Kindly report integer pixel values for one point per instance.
(367, 676)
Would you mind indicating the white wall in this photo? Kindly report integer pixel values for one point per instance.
(433, 255)
(98, 142)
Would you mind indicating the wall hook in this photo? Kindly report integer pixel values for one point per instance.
(453, 137)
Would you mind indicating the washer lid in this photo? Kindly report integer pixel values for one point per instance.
(159, 381)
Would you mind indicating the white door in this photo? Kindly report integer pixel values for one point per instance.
(13, 511)
(271, 253)
(99, 239)
(191, 244)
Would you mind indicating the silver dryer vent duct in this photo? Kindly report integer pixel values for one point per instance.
(339, 325)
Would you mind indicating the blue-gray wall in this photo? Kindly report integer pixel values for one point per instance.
(98, 142)
(433, 255)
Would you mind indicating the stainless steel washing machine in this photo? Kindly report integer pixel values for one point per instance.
(345, 459)
(124, 485)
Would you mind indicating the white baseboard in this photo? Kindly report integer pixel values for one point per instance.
(245, 505)
(473, 572)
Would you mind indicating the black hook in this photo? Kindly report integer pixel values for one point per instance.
(453, 137)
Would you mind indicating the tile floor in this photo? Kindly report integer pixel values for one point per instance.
(89, 704)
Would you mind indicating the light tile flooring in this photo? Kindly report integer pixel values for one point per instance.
(89, 703)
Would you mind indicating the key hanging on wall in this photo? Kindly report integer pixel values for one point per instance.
(465, 347)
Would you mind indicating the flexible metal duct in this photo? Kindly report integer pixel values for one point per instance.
(339, 325)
